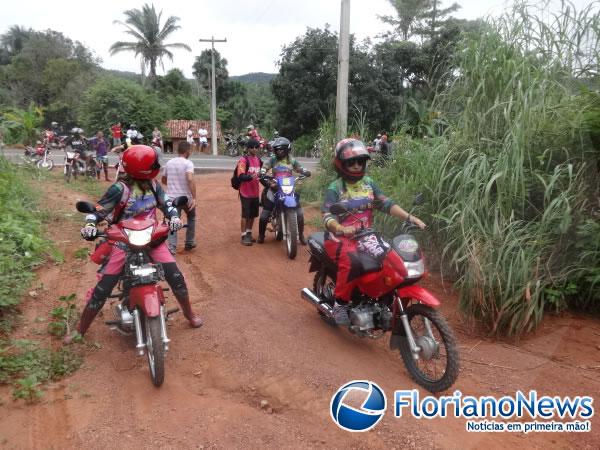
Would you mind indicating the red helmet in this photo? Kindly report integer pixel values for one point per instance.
(141, 162)
(350, 150)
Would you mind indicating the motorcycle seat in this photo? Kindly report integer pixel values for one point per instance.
(316, 241)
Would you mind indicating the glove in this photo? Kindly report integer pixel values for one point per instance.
(175, 224)
(306, 173)
(89, 232)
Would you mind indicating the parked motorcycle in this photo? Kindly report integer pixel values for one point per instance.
(73, 164)
(388, 298)
(283, 219)
(231, 146)
(39, 156)
(141, 309)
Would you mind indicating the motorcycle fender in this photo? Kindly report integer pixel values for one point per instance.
(148, 298)
(418, 293)
(290, 202)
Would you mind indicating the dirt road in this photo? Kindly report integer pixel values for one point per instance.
(261, 342)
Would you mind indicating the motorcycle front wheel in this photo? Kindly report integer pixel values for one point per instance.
(438, 364)
(68, 173)
(291, 238)
(155, 350)
(45, 165)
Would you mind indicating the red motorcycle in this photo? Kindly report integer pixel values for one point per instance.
(141, 306)
(389, 299)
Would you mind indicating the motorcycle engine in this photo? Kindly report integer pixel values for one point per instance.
(368, 316)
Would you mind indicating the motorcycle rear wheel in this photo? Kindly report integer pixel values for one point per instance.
(48, 164)
(291, 239)
(155, 350)
(323, 287)
(446, 344)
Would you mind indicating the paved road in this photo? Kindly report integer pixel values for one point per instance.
(202, 163)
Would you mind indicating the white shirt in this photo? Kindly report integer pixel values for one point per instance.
(131, 133)
(203, 133)
(175, 171)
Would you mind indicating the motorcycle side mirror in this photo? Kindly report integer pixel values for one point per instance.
(180, 201)
(338, 208)
(419, 199)
(85, 207)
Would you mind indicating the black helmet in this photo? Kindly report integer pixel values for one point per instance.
(281, 146)
(350, 150)
(132, 126)
(252, 143)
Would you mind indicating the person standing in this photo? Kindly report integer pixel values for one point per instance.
(100, 145)
(157, 138)
(117, 134)
(202, 139)
(178, 175)
(248, 169)
(189, 137)
(132, 131)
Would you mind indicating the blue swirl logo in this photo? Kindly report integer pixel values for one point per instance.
(370, 412)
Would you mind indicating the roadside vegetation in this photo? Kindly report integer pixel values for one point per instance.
(26, 364)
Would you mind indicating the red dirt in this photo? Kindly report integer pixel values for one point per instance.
(261, 342)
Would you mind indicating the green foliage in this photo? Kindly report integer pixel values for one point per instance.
(510, 182)
(203, 69)
(111, 100)
(28, 365)
(144, 25)
(81, 253)
(27, 389)
(64, 316)
(22, 126)
(22, 246)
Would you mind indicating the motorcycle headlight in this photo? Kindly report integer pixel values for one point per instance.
(287, 189)
(415, 269)
(139, 238)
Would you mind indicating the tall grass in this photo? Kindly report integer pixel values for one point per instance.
(511, 187)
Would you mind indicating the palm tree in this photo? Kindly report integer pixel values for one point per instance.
(409, 12)
(13, 40)
(150, 46)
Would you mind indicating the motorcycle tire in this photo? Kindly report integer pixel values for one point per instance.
(448, 343)
(291, 240)
(155, 350)
(278, 229)
(47, 165)
(323, 287)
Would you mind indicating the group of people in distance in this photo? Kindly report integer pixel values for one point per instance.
(202, 138)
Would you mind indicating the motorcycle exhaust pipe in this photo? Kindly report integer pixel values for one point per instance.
(138, 333)
(310, 296)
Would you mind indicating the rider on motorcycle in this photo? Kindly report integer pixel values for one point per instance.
(145, 196)
(362, 196)
(281, 165)
(76, 140)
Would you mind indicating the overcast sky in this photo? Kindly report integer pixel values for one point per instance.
(255, 29)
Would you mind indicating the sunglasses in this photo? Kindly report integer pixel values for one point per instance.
(355, 162)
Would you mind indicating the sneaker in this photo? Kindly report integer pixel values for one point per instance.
(340, 314)
(261, 240)
(246, 239)
(189, 247)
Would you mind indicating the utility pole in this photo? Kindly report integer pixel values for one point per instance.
(341, 104)
(213, 97)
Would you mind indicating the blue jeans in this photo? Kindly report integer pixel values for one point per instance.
(190, 231)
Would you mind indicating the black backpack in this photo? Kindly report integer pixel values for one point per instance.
(235, 181)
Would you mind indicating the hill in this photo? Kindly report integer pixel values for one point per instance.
(254, 78)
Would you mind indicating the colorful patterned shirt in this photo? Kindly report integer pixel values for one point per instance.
(361, 198)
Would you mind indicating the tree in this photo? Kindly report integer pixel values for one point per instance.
(410, 13)
(144, 25)
(434, 20)
(305, 86)
(202, 71)
(14, 39)
(173, 83)
(112, 100)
